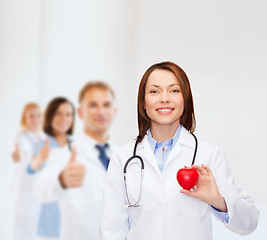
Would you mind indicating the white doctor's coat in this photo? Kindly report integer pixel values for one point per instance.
(165, 213)
(80, 207)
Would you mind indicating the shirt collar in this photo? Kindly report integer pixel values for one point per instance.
(32, 137)
(154, 144)
(53, 141)
(87, 142)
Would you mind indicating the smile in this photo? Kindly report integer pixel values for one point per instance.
(165, 109)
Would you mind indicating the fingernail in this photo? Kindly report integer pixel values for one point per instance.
(185, 166)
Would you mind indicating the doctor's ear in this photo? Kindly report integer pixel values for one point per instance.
(115, 111)
(79, 112)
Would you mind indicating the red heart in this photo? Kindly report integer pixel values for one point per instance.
(187, 178)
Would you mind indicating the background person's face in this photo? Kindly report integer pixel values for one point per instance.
(164, 102)
(63, 119)
(33, 119)
(97, 110)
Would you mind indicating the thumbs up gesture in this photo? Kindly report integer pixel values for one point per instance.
(44, 151)
(73, 174)
(16, 156)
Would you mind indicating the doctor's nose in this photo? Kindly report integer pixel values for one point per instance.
(164, 98)
(101, 110)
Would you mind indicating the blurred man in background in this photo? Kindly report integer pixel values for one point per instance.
(75, 177)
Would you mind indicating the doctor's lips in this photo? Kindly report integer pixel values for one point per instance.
(101, 120)
(165, 110)
(64, 125)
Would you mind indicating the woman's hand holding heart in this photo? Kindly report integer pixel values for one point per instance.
(206, 189)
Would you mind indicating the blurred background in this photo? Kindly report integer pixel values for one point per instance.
(52, 48)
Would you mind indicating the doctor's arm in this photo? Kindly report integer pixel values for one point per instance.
(114, 217)
(22, 151)
(73, 173)
(41, 155)
(16, 154)
(243, 214)
(217, 188)
(207, 190)
(47, 187)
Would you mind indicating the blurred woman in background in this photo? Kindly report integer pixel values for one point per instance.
(25, 207)
(58, 125)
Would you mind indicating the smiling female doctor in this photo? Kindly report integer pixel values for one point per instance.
(155, 206)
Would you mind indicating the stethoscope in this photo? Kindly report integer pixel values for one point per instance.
(134, 156)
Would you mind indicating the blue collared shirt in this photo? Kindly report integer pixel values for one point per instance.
(161, 158)
(157, 147)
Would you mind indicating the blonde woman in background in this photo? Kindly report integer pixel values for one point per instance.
(25, 207)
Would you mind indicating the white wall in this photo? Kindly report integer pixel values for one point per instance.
(91, 44)
(19, 83)
(51, 48)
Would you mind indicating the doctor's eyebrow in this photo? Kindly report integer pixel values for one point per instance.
(171, 85)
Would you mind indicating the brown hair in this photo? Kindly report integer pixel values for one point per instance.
(188, 117)
(95, 84)
(25, 109)
(50, 112)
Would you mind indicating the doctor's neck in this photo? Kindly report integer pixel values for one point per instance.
(99, 136)
(36, 131)
(61, 138)
(163, 132)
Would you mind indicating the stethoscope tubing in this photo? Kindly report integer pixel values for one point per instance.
(137, 204)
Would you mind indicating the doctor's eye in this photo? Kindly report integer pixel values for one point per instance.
(58, 113)
(153, 91)
(107, 104)
(175, 91)
(92, 104)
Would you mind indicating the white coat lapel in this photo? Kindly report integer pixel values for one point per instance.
(186, 140)
(145, 151)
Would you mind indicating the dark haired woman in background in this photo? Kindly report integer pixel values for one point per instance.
(58, 125)
(156, 206)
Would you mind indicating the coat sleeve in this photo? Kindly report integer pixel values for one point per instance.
(243, 215)
(114, 217)
(47, 187)
(25, 150)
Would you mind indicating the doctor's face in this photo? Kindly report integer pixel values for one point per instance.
(63, 119)
(33, 119)
(97, 110)
(164, 102)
